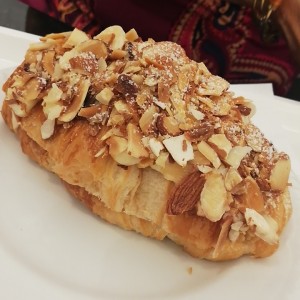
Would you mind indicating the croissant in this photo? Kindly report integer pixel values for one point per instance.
(151, 141)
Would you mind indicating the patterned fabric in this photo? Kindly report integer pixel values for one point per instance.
(221, 34)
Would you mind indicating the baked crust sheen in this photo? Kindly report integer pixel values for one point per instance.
(142, 206)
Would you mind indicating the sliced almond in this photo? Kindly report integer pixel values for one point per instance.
(213, 199)
(117, 33)
(252, 197)
(147, 118)
(204, 169)
(40, 46)
(54, 111)
(167, 125)
(198, 115)
(232, 178)
(114, 131)
(131, 35)
(280, 174)
(126, 160)
(105, 95)
(116, 145)
(171, 171)
(209, 153)
(115, 118)
(88, 112)
(84, 63)
(221, 144)
(102, 65)
(262, 228)
(96, 47)
(162, 159)
(76, 37)
(122, 107)
(77, 102)
(48, 62)
(118, 151)
(117, 54)
(200, 159)
(18, 109)
(180, 149)
(47, 129)
(32, 90)
(155, 146)
(14, 121)
(236, 155)
(54, 94)
(254, 137)
(135, 147)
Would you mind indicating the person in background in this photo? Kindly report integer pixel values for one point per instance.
(247, 41)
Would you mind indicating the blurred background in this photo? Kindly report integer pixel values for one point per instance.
(16, 15)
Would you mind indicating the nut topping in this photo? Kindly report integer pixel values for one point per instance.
(186, 194)
(280, 174)
(213, 200)
(263, 229)
(150, 106)
(77, 102)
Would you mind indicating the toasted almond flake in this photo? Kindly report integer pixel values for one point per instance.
(54, 94)
(76, 37)
(232, 178)
(111, 132)
(116, 145)
(126, 160)
(213, 199)
(96, 47)
(77, 102)
(175, 147)
(119, 36)
(220, 144)
(18, 109)
(40, 46)
(236, 155)
(122, 107)
(135, 148)
(280, 174)
(156, 146)
(105, 95)
(100, 152)
(117, 54)
(47, 129)
(14, 121)
(162, 159)
(204, 169)
(209, 153)
(54, 111)
(198, 115)
(64, 61)
(162, 105)
(263, 229)
(147, 118)
(131, 35)
(102, 65)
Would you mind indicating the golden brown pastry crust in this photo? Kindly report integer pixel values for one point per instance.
(220, 199)
(197, 235)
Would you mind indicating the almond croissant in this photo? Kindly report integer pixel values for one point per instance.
(151, 141)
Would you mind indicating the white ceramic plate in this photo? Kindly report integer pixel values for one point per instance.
(51, 247)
